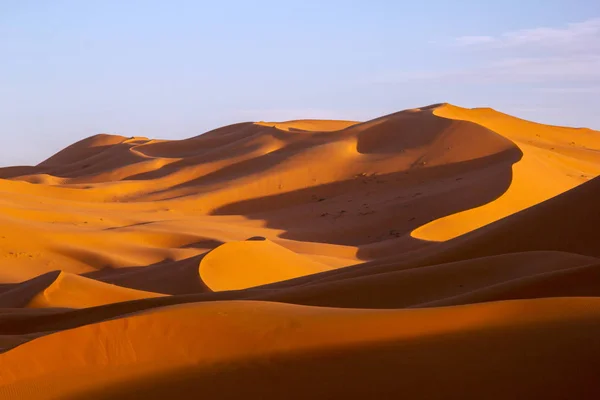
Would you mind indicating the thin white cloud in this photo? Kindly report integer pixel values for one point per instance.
(565, 56)
(570, 90)
(580, 36)
(575, 69)
(474, 40)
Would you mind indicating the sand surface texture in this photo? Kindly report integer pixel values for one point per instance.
(437, 252)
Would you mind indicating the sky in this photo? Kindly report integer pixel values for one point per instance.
(173, 69)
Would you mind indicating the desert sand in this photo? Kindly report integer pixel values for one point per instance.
(438, 252)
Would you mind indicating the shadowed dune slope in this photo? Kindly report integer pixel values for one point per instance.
(275, 350)
(437, 252)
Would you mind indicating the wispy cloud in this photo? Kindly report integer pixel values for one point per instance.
(580, 36)
(474, 40)
(570, 90)
(556, 57)
(551, 69)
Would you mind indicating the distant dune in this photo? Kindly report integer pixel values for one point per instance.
(438, 252)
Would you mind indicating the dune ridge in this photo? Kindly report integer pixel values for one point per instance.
(307, 258)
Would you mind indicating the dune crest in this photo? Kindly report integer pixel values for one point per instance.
(74, 291)
(555, 159)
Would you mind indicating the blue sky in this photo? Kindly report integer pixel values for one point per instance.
(174, 69)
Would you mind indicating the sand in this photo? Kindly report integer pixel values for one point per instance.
(438, 252)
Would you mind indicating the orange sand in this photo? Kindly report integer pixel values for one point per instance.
(437, 252)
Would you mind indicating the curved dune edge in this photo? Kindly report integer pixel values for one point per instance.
(555, 159)
(240, 265)
(309, 125)
(251, 342)
(74, 291)
(405, 286)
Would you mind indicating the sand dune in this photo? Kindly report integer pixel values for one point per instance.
(254, 262)
(74, 291)
(277, 350)
(555, 159)
(437, 252)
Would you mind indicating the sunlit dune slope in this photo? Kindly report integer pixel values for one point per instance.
(255, 262)
(555, 159)
(73, 291)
